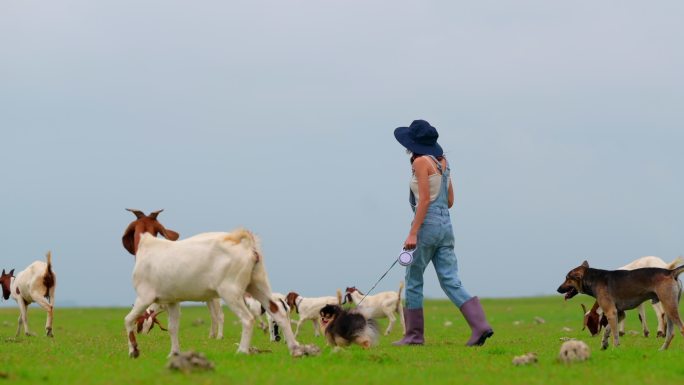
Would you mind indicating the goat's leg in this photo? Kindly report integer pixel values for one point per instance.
(642, 318)
(236, 303)
(273, 328)
(263, 325)
(299, 323)
(217, 318)
(174, 323)
(23, 317)
(49, 309)
(129, 321)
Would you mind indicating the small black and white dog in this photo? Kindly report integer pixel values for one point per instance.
(344, 327)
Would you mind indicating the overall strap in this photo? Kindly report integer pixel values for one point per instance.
(439, 164)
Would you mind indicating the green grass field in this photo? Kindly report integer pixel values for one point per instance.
(90, 348)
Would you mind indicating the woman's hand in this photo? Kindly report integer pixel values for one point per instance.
(410, 242)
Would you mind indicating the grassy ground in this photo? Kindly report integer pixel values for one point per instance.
(90, 348)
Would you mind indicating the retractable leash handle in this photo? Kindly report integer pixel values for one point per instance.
(405, 258)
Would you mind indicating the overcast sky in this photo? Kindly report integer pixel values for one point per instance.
(562, 122)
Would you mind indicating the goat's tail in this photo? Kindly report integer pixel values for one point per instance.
(49, 277)
(240, 235)
(673, 264)
(248, 239)
(401, 287)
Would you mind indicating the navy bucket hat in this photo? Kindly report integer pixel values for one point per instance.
(420, 138)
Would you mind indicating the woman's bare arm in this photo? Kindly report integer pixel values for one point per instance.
(421, 167)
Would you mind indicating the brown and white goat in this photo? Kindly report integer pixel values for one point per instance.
(202, 268)
(37, 284)
(150, 224)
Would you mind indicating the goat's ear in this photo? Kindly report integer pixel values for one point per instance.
(154, 214)
(585, 264)
(11, 273)
(169, 234)
(128, 239)
(138, 214)
(3, 271)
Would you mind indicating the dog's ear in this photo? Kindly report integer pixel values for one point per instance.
(585, 264)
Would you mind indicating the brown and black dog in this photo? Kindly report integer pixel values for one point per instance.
(620, 290)
(344, 327)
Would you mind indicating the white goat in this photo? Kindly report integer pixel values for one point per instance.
(309, 308)
(202, 268)
(151, 225)
(380, 305)
(37, 284)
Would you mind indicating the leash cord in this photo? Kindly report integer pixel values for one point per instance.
(376, 284)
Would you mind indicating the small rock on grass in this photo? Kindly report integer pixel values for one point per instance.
(189, 361)
(305, 350)
(574, 351)
(539, 320)
(525, 359)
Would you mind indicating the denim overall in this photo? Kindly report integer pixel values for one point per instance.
(436, 244)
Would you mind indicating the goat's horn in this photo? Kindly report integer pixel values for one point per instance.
(584, 308)
(138, 214)
(154, 214)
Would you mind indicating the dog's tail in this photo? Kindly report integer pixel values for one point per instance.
(678, 261)
(677, 271)
(49, 276)
(401, 287)
(372, 331)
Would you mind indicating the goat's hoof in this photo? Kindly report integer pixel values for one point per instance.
(49, 332)
(277, 338)
(621, 334)
(660, 335)
(646, 334)
(134, 354)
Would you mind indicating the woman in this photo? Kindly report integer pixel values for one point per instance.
(432, 237)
